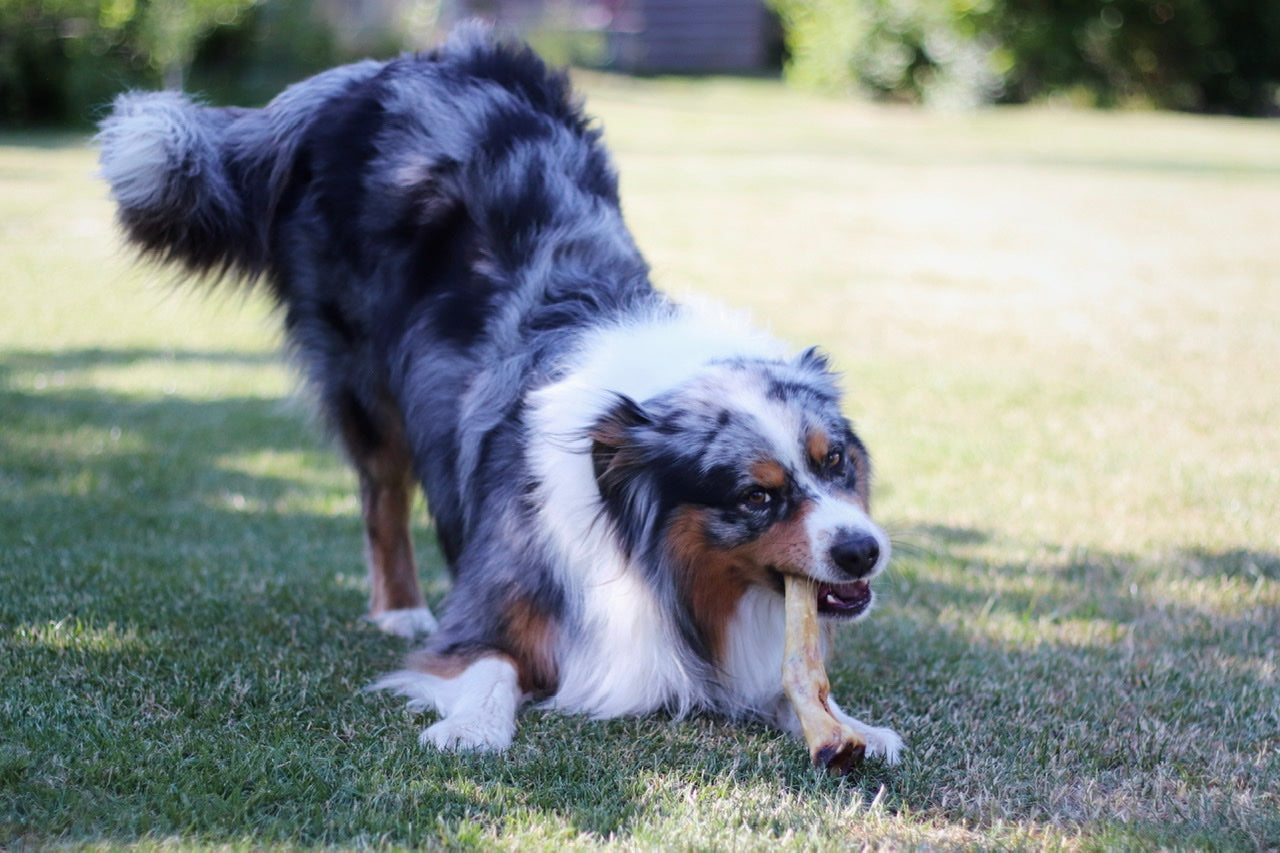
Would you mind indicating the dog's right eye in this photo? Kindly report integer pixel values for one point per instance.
(756, 498)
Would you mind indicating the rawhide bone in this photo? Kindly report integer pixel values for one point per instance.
(832, 744)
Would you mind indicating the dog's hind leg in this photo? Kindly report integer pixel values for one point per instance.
(377, 449)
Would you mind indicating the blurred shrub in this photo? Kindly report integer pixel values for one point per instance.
(1211, 55)
(58, 55)
(279, 42)
(919, 50)
(61, 61)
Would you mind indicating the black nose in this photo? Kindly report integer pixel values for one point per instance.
(855, 552)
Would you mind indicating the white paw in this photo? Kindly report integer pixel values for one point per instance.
(408, 622)
(882, 743)
(477, 706)
(467, 732)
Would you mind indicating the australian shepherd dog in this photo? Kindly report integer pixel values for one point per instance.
(619, 483)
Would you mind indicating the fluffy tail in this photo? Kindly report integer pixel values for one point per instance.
(165, 158)
(199, 185)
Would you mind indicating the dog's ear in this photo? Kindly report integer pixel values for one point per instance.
(611, 435)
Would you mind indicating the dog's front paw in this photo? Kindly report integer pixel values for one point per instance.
(882, 743)
(467, 732)
(408, 622)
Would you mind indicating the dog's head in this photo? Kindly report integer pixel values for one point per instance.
(741, 475)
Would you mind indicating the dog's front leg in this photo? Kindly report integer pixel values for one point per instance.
(477, 699)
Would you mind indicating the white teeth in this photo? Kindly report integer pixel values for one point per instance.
(832, 600)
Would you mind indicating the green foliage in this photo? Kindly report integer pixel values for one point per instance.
(1179, 54)
(1216, 55)
(170, 30)
(931, 50)
(278, 43)
(58, 56)
(59, 59)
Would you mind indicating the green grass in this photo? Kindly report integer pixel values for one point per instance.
(1060, 334)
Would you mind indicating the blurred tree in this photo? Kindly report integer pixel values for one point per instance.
(938, 51)
(171, 29)
(1213, 55)
(59, 59)
(43, 49)
(277, 43)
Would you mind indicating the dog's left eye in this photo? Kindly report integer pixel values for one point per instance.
(835, 459)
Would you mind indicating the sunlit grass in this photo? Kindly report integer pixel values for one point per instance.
(65, 635)
(1058, 333)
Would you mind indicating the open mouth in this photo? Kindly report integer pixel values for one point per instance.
(843, 600)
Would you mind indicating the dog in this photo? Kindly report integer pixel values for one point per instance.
(618, 482)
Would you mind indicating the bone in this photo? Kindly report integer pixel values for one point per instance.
(832, 745)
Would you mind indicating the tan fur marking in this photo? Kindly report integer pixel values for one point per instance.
(710, 576)
(386, 500)
(530, 636)
(769, 474)
(443, 666)
(862, 481)
(715, 579)
(817, 445)
(393, 576)
(784, 547)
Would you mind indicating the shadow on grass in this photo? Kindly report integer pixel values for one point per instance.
(128, 451)
(176, 665)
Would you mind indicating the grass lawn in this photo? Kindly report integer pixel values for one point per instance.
(1060, 334)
